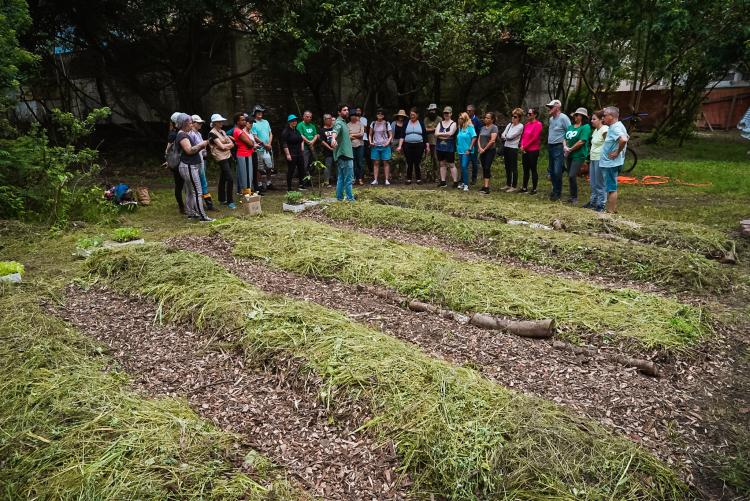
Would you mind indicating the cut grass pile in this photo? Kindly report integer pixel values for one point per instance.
(315, 249)
(678, 235)
(69, 429)
(458, 434)
(675, 269)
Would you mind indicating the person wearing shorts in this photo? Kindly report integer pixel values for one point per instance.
(613, 154)
(261, 130)
(381, 135)
(445, 144)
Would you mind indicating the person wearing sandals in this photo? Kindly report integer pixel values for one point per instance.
(531, 142)
(487, 147)
(414, 144)
(512, 137)
(576, 149)
(445, 144)
(293, 145)
(596, 178)
(381, 136)
(221, 147)
(190, 164)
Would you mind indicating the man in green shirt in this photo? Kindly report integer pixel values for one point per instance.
(343, 154)
(310, 137)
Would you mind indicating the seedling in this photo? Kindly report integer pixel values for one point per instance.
(126, 234)
(10, 267)
(293, 198)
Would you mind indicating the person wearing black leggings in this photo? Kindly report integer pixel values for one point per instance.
(292, 144)
(179, 183)
(414, 144)
(221, 147)
(530, 145)
(487, 147)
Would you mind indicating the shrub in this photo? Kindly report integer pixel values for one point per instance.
(293, 198)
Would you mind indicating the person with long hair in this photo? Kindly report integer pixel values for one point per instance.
(531, 142)
(245, 147)
(381, 135)
(465, 141)
(190, 164)
(293, 144)
(576, 149)
(221, 147)
(596, 178)
(445, 143)
(512, 136)
(414, 144)
(487, 147)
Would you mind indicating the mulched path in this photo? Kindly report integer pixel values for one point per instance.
(275, 412)
(671, 416)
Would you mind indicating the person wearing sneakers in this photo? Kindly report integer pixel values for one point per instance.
(576, 149)
(381, 136)
(613, 154)
(596, 178)
(465, 141)
(245, 145)
(357, 134)
(558, 126)
(474, 158)
(530, 145)
(487, 149)
(430, 123)
(310, 137)
(445, 144)
(512, 137)
(263, 136)
(190, 164)
(196, 133)
(292, 142)
(343, 154)
(221, 147)
(414, 144)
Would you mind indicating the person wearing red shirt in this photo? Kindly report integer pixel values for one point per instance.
(245, 147)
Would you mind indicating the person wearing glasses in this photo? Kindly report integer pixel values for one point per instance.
(512, 136)
(445, 144)
(576, 149)
(558, 126)
(530, 144)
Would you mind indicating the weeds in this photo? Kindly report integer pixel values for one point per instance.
(126, 234)
(458, 434)
(312, 248)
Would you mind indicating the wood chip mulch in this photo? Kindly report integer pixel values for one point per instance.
(673, 416)
(275, 412)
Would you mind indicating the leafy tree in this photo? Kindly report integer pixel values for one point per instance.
(14, 18)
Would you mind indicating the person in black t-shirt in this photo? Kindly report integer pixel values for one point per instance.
(327, 134)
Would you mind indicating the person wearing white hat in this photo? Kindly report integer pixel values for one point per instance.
(558, 126)
(576, 149)
(197, 126)
(190, 162)
(221, 150)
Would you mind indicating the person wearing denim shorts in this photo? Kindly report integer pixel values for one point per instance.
(381, 136)
(613, 154)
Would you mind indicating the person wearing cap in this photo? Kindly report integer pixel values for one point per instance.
(445, 143)
(414, 144)
(263, 136)
(381, 136)
(293, 144)
(531, 140)
(576, 149)
(179, 184)
(357, 134)
(512, 136)
(190, 163)
(343, 155)
(599, 131)
(474, 157)
(197, 126)
(558, 126)
(399, 129)
(245, 146)
(221, 148)
(430, 123)
(613, 154)
(310, 137)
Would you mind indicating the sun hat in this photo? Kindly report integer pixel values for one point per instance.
(291, 118)
(197, 119)
(581, 111)
(216, 117)
(257, 108)
(447, 109)
(432, 106)
(401, 113)
(553, 103)
(174, 116)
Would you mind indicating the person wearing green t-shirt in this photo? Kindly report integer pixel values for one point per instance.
(576, 149)
(310, 137)
(343, 154)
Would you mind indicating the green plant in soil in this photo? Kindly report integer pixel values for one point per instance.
(666, 267)
(312, 248)
(71, 428)
(89, 242)
(126, 234)
(10, 267)
(458, 434)
(293, 198)
(678, 235)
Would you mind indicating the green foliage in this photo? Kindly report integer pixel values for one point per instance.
(293, 197)
(9, 267)
(14, 20)
(126, 234)
(49, 183)
(89, 242)
(459, 435)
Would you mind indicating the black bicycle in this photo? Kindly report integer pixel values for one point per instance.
(631, 156)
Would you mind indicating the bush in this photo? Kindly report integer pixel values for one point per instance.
(54, 184)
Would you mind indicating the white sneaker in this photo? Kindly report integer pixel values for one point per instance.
(375, 181)
(387, 183)
(511, 190)
(461, 186)
(466, 188)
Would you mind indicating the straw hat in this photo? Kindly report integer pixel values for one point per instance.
(401, 113)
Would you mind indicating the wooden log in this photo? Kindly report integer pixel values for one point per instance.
(484, 321)
(538, 329)
(646, 367)
(415, 305)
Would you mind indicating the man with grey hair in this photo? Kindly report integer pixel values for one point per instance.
(558, 126)
(613, 154)
(310, 137)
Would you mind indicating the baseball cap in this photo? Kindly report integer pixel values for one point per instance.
(447, 109)
(197, 119)
(553, 103)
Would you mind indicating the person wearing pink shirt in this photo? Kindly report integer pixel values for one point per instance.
(530, 145)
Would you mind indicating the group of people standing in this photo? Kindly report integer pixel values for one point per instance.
(344, 143)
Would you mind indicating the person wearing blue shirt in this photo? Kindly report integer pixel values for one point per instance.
(474, 155)
(558, 126)
(263, 138)
(465, 142)
(613, 154)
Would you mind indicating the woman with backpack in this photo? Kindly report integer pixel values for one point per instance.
(190, 164)
(445, 144)
(221, 151)
(172, 156)
(414, 144)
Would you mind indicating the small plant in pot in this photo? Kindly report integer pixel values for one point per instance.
(126, 234)
(11, 271)
(293, 202)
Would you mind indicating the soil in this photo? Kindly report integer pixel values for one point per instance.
(674, 416)
(275, 411)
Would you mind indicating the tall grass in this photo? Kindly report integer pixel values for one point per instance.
(457, 434)
(676, 269)
(320, 250)
(69, 429)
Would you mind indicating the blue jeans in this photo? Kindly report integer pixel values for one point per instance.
(555, 167)
(204, 181)
(596, 181)
(344, 179)
(464, 160)
(474, 159)
(359, 162)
